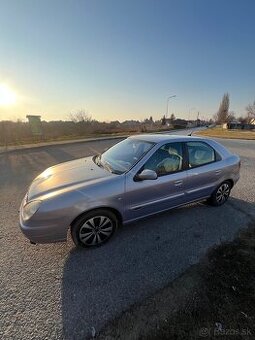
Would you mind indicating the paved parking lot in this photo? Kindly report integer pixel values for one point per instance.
(56, 291)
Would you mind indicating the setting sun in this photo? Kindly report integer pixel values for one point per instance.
(7, 96)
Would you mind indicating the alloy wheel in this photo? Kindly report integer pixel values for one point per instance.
(223, 193)
(96, 230)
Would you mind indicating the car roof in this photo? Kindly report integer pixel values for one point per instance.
(159, 138)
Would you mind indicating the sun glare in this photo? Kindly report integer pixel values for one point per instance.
(7, 96)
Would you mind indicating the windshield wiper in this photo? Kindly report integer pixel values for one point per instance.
(106, 165)
(97, 160)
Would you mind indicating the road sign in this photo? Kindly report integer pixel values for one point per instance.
(35, 124)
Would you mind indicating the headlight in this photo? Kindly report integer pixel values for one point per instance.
(30, 209)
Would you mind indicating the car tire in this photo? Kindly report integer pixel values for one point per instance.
(220, 194)
(94, 228)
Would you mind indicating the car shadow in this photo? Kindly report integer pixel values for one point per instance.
(98, 284)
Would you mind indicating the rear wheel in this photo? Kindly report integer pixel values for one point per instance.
(221, 194)
(94, 228)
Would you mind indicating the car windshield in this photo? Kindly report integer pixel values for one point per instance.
(122, 156)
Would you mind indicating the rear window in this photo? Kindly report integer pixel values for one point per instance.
(200, 154)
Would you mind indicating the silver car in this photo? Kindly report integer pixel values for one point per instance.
(140, 176)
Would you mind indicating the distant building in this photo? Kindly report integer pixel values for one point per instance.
(131, 123)
(241, 126)
(174, 123)
(191, 123)
(234, 124)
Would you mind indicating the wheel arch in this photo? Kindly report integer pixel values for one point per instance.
(113, 210)
(230, 181)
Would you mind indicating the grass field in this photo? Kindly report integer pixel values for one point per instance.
(36, 140)
(32, 140)
(224, 133)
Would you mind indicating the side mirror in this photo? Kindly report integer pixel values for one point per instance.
(146, 174)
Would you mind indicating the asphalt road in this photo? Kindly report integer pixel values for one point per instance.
(58, 292)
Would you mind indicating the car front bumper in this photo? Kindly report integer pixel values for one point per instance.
(41, 233)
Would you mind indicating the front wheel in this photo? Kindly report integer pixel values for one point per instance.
(221, 194)
(94, 228)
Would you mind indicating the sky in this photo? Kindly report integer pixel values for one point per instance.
(121, 59)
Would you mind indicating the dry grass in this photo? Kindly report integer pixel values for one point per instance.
(214, 299)
(223, 133)
(35, 140)
(62, 139)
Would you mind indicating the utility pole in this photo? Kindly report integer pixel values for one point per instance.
(191, 109)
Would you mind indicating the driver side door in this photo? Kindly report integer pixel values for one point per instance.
(146, 197)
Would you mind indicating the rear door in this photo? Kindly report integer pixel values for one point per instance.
(203, 170)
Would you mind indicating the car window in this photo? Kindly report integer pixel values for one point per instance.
(199, 154)
(166, 160)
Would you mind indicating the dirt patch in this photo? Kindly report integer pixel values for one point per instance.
(213, 299)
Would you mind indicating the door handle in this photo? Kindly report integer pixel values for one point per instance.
(178, 183)
(217, 172)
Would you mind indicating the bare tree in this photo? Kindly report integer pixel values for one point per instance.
(241, 119)
(231, 116)
(222, 114)
(80, 116)
(250, 109)
(172, 117)
(82, 121)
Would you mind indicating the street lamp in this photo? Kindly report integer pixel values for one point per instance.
(167, 103)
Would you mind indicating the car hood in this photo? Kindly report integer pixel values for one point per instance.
(72, 174)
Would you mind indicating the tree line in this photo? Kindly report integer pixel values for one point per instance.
(223, 115)
(79, 124)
